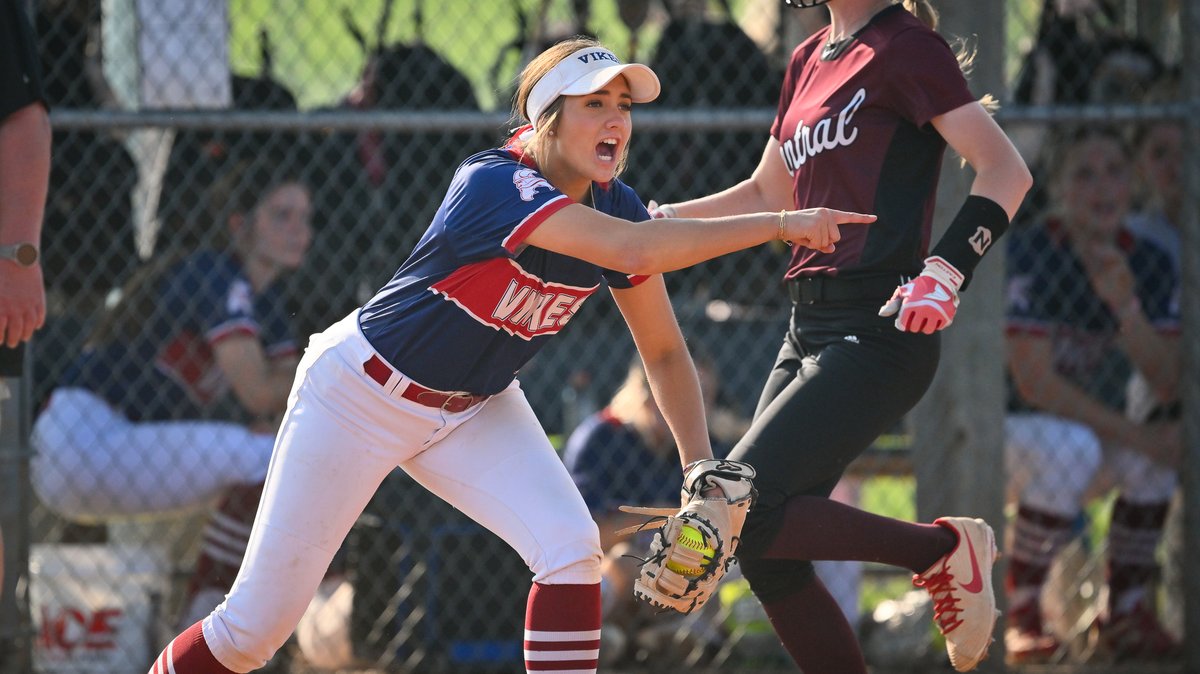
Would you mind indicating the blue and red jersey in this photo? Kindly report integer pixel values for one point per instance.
(167, 370)
(854, 130)
(473, 302)
(1049, 295)
(612, 465)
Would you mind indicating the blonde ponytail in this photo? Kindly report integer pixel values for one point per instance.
(963, 52)
(923, 11)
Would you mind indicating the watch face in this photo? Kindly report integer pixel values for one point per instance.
(27, 255)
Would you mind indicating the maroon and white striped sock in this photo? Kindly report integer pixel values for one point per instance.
(1035, 537)
(188, 654)
(225, 538)
(562, 629)
(1133, 539)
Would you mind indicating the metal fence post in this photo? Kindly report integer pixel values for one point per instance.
(1190, 483)
(15, 645)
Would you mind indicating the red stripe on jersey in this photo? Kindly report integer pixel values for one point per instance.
(188, 360)
(637, 279)
(226, 330)
(499, 293)
(534, 219)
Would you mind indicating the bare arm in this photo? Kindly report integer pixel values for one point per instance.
(1000, 173)
(669, 369)
(769, 188)
(1155, 355)
(1032, 367)
(260, 384)
(24, 173)
(657, 246)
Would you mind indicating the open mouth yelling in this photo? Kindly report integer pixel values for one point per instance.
(606, 149)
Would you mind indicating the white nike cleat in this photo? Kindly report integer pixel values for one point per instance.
(960, 583)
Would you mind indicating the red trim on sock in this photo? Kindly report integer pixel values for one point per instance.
(563, 608)
(190, 654)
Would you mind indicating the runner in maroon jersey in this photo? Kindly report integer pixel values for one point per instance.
(867, 108)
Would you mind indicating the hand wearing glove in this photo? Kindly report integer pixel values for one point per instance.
(682, 576)
(927, 303)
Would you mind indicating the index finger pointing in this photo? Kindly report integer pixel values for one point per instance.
(848, 217)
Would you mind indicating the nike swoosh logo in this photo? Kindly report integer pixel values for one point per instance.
(976, 584)
(939, 294)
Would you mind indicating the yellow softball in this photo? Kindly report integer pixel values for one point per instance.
(690, 537)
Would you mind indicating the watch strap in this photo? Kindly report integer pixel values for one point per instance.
(24, 254)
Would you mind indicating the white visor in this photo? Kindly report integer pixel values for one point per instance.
(585, 71)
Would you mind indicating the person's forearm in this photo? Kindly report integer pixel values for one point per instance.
(1055, 395)
(1005, 183)
(24, 172)
(744, 197)
(1154, 355)
(660, 246)
(676, 389)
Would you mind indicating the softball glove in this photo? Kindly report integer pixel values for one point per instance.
(694, 546)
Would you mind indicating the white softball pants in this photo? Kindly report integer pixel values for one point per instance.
(93, 464)
(1051, 461)
(342, 434)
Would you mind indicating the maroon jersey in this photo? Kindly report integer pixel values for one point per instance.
(854, 132)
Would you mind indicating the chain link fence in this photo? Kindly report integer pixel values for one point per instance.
(181, 123)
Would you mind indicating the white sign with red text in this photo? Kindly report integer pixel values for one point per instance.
(93, 606)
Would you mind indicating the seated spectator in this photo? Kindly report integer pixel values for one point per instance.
(175, 397)
(1087, 301)
(624, 455)
(1080, 56)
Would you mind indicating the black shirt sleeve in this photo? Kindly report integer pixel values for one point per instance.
(20, 79)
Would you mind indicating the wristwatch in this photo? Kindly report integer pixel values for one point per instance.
(24, 254)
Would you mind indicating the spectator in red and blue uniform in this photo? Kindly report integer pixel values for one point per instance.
(1088, 302)
(175, 395)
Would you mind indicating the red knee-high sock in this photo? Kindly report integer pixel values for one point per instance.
(1035, 537)
(562, 628)
(815, 632)
(225, 538)
(188, 654)
(816, 528)
(1132, 539)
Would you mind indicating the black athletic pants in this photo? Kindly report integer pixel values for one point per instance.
(843, 377)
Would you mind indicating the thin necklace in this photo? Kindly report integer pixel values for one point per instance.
(833, 48)
(849, 34)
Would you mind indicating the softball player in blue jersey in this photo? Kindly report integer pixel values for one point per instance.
(142, 422)
(423, 375)
(867, 108)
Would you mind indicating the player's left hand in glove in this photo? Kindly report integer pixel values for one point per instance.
(683, 569)
(927, 303)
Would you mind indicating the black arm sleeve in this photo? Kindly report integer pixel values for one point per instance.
(979, 223)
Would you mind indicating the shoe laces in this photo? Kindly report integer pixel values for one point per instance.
(945, 602)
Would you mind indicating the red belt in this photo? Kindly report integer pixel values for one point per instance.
(381, 372)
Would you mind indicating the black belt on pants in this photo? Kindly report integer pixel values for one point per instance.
(816, 289)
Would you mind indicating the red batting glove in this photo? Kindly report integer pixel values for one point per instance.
(927, 303)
